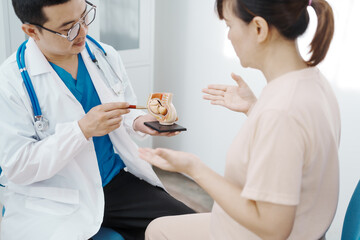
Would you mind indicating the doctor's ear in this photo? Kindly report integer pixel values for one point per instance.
(31, 30)
(261, 28)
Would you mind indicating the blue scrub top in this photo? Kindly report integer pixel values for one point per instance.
(84, 91)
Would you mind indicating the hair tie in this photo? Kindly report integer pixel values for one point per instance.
(310, 2)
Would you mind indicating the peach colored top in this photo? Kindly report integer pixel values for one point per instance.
(287, 153)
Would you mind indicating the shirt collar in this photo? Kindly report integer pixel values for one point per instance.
(35, 60)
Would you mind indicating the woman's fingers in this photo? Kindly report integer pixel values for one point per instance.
(212, 98)
(214, 92)
(164, 153)
(145, 151)
(215, 100)
(220, 87)
(218, 102)
(238, 79)
(151, 156)
(147, 154)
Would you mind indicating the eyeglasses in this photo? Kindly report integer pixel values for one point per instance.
(73, 32)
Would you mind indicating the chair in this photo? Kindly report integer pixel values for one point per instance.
(107, 234)
(351, 226)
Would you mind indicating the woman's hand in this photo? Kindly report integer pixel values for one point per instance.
(139, 125)
(238, 98)
(170, 160)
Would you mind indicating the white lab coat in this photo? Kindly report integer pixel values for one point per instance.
(53, 184)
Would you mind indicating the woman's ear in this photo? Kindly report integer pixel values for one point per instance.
(261, 28)
(31, 31)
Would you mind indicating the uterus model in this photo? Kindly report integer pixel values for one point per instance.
(160, 106)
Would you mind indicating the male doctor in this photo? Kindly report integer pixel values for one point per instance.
(82, 171)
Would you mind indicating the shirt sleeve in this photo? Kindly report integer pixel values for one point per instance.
(277, 151)
(24, 158)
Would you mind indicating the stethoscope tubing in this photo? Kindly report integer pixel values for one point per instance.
(97, 44)
(20, 59)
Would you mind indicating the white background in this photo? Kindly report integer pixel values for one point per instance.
(191, 51)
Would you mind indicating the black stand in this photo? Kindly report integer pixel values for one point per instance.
(165, 128)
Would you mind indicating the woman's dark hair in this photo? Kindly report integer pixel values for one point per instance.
(290, 18)
(31, 11)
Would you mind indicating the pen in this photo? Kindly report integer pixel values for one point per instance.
(137, 107)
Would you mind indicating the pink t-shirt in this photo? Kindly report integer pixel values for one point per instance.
(287, 153)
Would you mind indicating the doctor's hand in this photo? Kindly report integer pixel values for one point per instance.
(238, 98)
(173, 161)
(103, 119)
(139, 125)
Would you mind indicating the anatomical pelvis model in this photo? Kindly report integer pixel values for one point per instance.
(161, 107)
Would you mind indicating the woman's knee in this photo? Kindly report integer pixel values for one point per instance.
(154, 229)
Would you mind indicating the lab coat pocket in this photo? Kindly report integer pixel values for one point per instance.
(49, 206)
(52, 200)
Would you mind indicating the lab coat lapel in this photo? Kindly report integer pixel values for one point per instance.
(105, 95)
(35, 60)
(37, 64)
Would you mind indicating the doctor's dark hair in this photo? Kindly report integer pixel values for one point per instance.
(31, 11)
(290, 18)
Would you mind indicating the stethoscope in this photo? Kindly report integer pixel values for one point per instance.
(41, 123)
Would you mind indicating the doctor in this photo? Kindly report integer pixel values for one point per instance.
(80, 169)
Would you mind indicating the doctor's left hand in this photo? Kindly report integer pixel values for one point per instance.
(139, 126)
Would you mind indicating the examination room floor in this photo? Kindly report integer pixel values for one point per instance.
(185, 190)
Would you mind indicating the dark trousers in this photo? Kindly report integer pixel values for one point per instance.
(131, 204)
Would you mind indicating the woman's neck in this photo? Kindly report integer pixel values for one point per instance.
(280, 58)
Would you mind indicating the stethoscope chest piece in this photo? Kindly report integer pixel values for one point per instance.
(41, 123)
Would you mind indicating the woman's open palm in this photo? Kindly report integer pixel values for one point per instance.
(169, 160)
(238, 98)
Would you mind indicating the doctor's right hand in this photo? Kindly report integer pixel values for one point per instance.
(238, 98)
(103, 119)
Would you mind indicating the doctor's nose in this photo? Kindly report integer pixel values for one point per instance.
(83, 30)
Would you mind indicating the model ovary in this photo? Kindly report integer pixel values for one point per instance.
(161, 107)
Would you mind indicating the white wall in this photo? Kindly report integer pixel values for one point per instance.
(2, 56)
(189, 55)
(11, 35)
(2, 30)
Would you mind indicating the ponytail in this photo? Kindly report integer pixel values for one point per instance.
(324, 32)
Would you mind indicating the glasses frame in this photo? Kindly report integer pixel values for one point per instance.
(81, 21)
